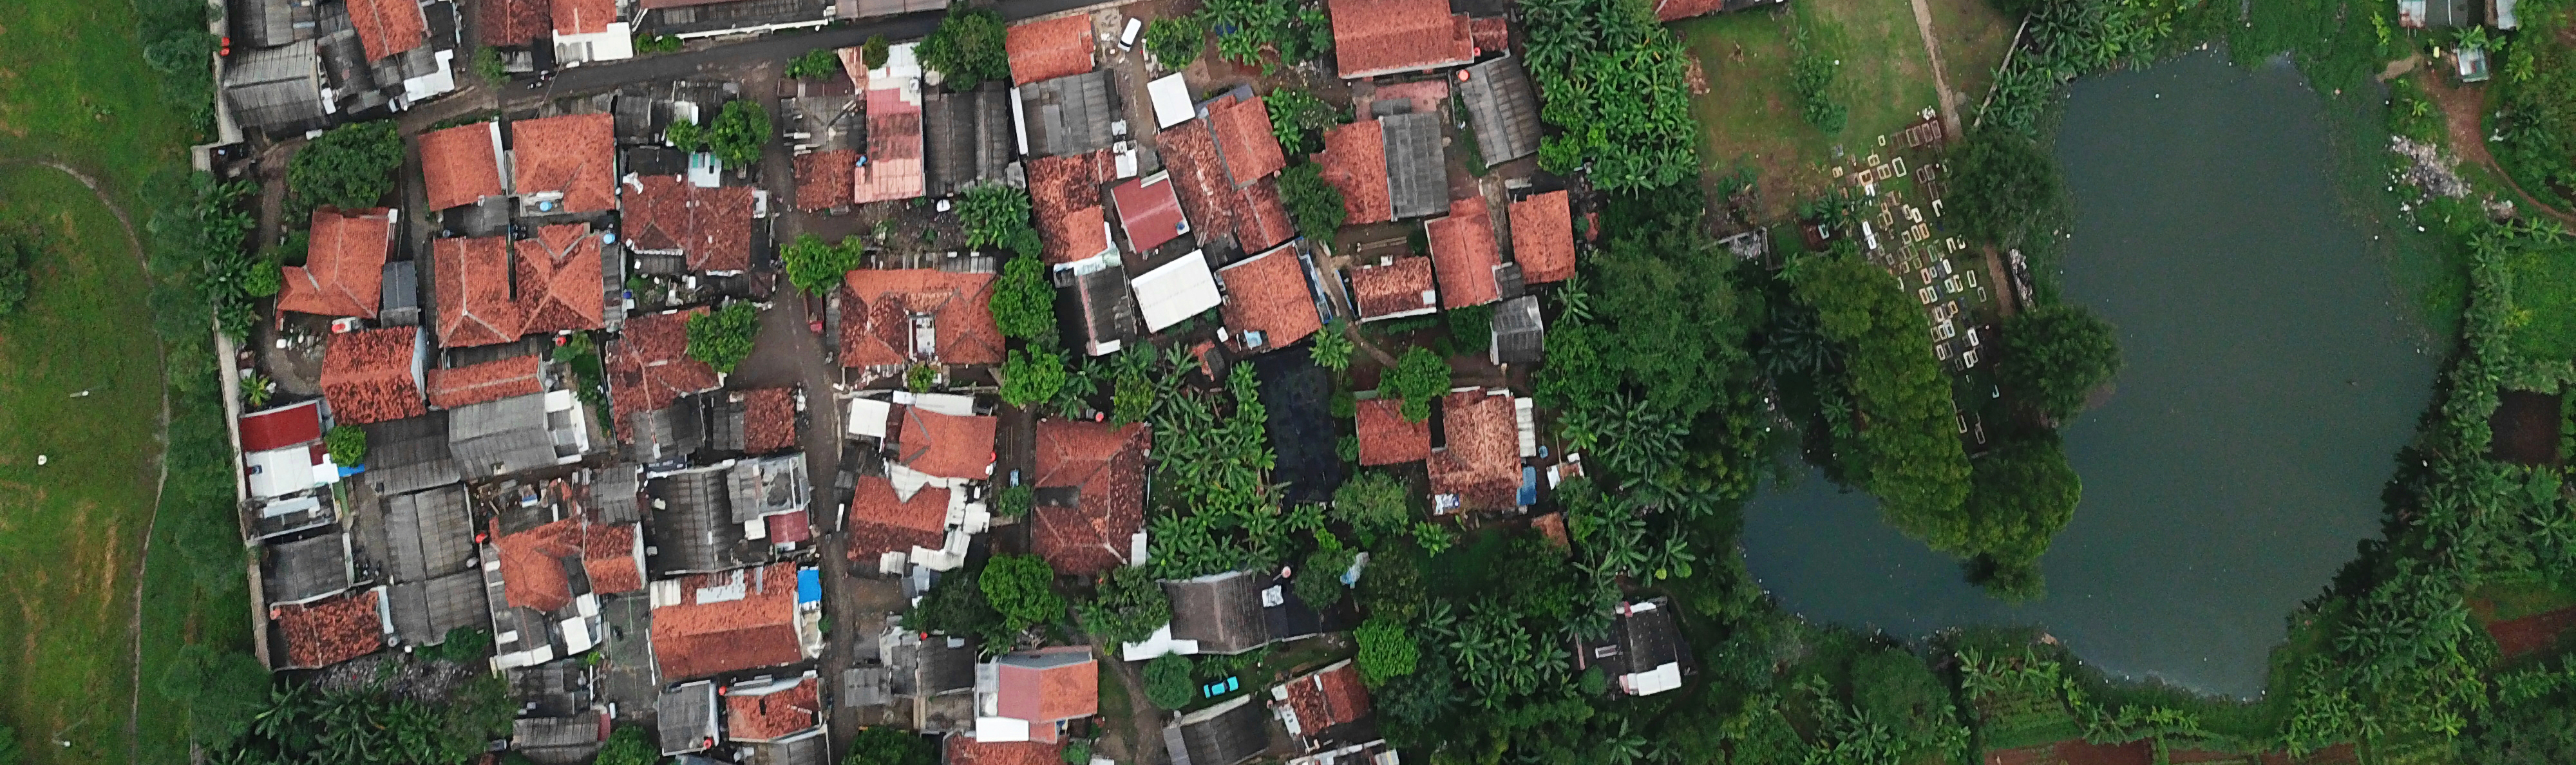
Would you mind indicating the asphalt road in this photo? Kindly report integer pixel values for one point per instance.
(596, 78)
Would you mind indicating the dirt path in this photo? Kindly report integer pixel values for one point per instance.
(134, 627)
(2461, 108)
(1940, 77)
(1144, 729)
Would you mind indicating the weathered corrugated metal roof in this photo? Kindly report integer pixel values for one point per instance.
(306, 569)
(501, 437)
(401, 297)
(423, 612)
(430, 532)
(1416, 177)
(1503, 108)
(1068, 115)
(687, 716)
(409, 454)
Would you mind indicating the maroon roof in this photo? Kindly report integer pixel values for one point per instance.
(1105, 464)
(388, 27)
(367, 376)
(649, 365)
(558, 276)
(1374, 37)
(583, 17)
(1481, 462)
(290, 425)
(488, 381)
(710, 226)
(1268, 294)
(1354, 161)
(514, 22)
(575, 154)
(1464, 254)
(1386, 438)
(1676, 10)
(768, 420)
(331, 630)
(1149, 211)
(459, 165)
(344, 268)
(1045, 50)
(966, 750)
(1394, 288)
(772, 715)
(1064, 196)
(1243, 136)
(881, 521)
(1330, 697)
(1543, 238)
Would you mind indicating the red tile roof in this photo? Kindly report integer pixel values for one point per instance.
(1105, 464)
(1374, 37)
(1354, 160)
(388, 27)
(1676, 10)
(711, 227)
(1261, 218)
(344, 271)
(1552, 526)
(575, 154)
(1464, 254)
(331, 630)
(1243, 136)
(1386, 438)
(1150, 212)
(882, 522)
(1252, 214)
(459, 165)
(1061, 692)
(1327, 698)
(532, 571)
(944, 445)
(514, 22)
(472, 287)
(367, 376)
(773, 715)
(768, 420)
(290, 425)
(649, 365)
(1045, 50)
(965, 750)
(826, 179)
(559, 280)
(1481, 462)
(876, 325)
(694, 639)
(488, 381)
(582, 17)
(1268, 293)
(1064, 196)
(1543, 238)
(894, 168)
(608, 557)
(1394, 288)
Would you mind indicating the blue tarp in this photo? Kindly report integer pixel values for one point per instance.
(1529, 486)
(809, 585)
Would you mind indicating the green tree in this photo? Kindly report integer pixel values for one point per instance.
(350, 166)
(1386, 650)
(1319, 582)
(2055, 354)
(1316, 206)
(739, 133)
(1015, 501)
(1029, 377)
(1297, 31)
(816, 266)
(222, 691)
(1169, 683)
(1471, 328)
(1418, 379)
(2024, 492)
(264, 280)
(1022, 589)
(723, 338)
(995, 215)
(9, 753)
(487, 65)
(628, 746)
(1175, 40)
(1375, 504)
(2005, 190)
(347, 444)
(888, 745)
(967, 49)
(1668, 324)
(1024, 302)
(875, 52)
(1811, 75)
(1129, 606)
(814, 64)
(955, 605)
(1909, 456)
(685, 135)
(1333, 347)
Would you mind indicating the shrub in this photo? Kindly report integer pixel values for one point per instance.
(487, 65)
(1130, 605)
(685, 135)
(348, 445)
(1316, 206)
(1297, 118)
(1374, 503)
(264, 279)
(17, 250)
(814, 64)
(350, 166)
(995, 215)
(627, 746)
(1029, 377)
(1015, 502)
(816, 266)
(1333, 348)
(1024, 302)
(1175, 41)
(1386, 650)
(1421, 377)
(875, 52)
(966, 49)
(1471, 328)
(1021, 588)
(1811, 74)
(886, 745)
(1319, 581)
(723, 338)
(1169, 683)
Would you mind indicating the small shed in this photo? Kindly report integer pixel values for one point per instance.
(1177, 291)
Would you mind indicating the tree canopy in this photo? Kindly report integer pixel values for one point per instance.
(816, 266)
(1031, 376)
(2004, 189)
(814, 64)
(1023, 301)
(967, 49)
(1667, 323)
(1614, 79)
(1909, 456)
(2054, 354)
(628, 746)
(1420, 378)
(1022, 589)
(723, 337)
(1316, 206)
(1168, 681)
(1129, 605)
(875, 51)
(995, 215)
(350, 166)
(889, 745)
(1175, 40)
(2023, 492)
(739, 133)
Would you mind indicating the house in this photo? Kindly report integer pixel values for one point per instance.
(693, 527)
(825, 180)
(282, 456)
(1244, 138)
(807, 748)
(388, 27)
(491, 290)
(1068, 115)
(1170, 95)
(1519, 335)
(434, 586)
(512, 23)
(1323, 709)
(772, 709)
(399, 305)
(473, 286)
(1029, 695)
(457, 387)
(708, 227)
(945, 449)
(709, 624)
(547, 564)
(589, 30)
(381, 56)
(297, 424)
(373, 375)
(278, 92)
(895, 530)
(1226, 734)
(1502, 106)
(686, 718)
(1223, 168)
(895, 168)
(258, 24)
(1269, 304)
(1395, 288)
(282, 472)
(1090, 482)
(690, 19)
(649, 367)
(559, 740)
(408, 455)
(518, 434)
(1464, 255)
(665, 438)
(1380, 37)
(1064, 196)
(1149, 212)
(756, 421)
(1643, 654)
(2440, 14)
(767, 497)
(1214, 614)
(895, 318)
(331, 630)
(566, 163)
(1177, 291)
(1417, 181)
(969, 138)
(1049, 49)
(462, 165)
(305, 570)
(1354, 161)
(1543, 237)
(968, 750)
(1479, 465)
(1386, 438)
(1109, 312)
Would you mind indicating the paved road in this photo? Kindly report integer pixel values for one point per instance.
(595, 78)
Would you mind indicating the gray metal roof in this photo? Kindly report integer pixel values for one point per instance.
(409, 454)
(694, 530)
(670, 434)
(967, 138)
(306, 569)
(1069, 114)
(401, 303)
(867, 686)
(614, 494)
(1518, 331)
(1222, 612)
(554, 689)
(1109, 310)
(738, 14)
(576, 730)
(807, 748)
(1416, 177)
(1224, 734)
(1503, 108)
(496, 438)
(270, 23)
(725, 423)
(891, 7)
(687, 716)
(423, 612)
(277, 90)
(769, 486)
(430, 533)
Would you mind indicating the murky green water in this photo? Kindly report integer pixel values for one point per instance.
(2271, 376)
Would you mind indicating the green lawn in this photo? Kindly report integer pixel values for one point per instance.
(76, 524)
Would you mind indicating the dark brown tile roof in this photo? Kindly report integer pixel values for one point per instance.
(694, 639)
(1064, 196)
(472, 287)
(1394, 288)
(1045, 50)
(1267, 293)
(459, 166)
(876, 325)
(1552, 526)
(649, 365)
(1105, 464)
(582, 17)
(388, 27)
(343, 272)
(1492, 34)
(882, 521)
(1261, 218)
(514, 22)
(575, 154)
(1327, 698)
(559, 280)
(331, 630)
(1386, 438)
(826, 179)
(1481, 462)
(775, 714)
(1543, 238)
(966, 750)
(488, 381)
(367, 376)
(768, 420)
(946, 445)
(1463, 254)
(1189, 154)
(1374, 37)
(1354, 161)
(712, 227)
(1243, 136)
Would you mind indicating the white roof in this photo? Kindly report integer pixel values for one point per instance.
(279, 472)
(1000, 729)
(1157, 644)
(1179, 290)
(868, 417)
(1654, 681)
(1171, 100)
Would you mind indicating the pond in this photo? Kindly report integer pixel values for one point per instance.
(2271, 375)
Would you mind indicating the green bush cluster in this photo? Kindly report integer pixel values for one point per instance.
(1612, 79)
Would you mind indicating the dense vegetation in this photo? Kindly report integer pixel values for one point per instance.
(350, 167)
(816, 266)
(1295, 31)
(739, 132)
(966, 49)
(1612, 80)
